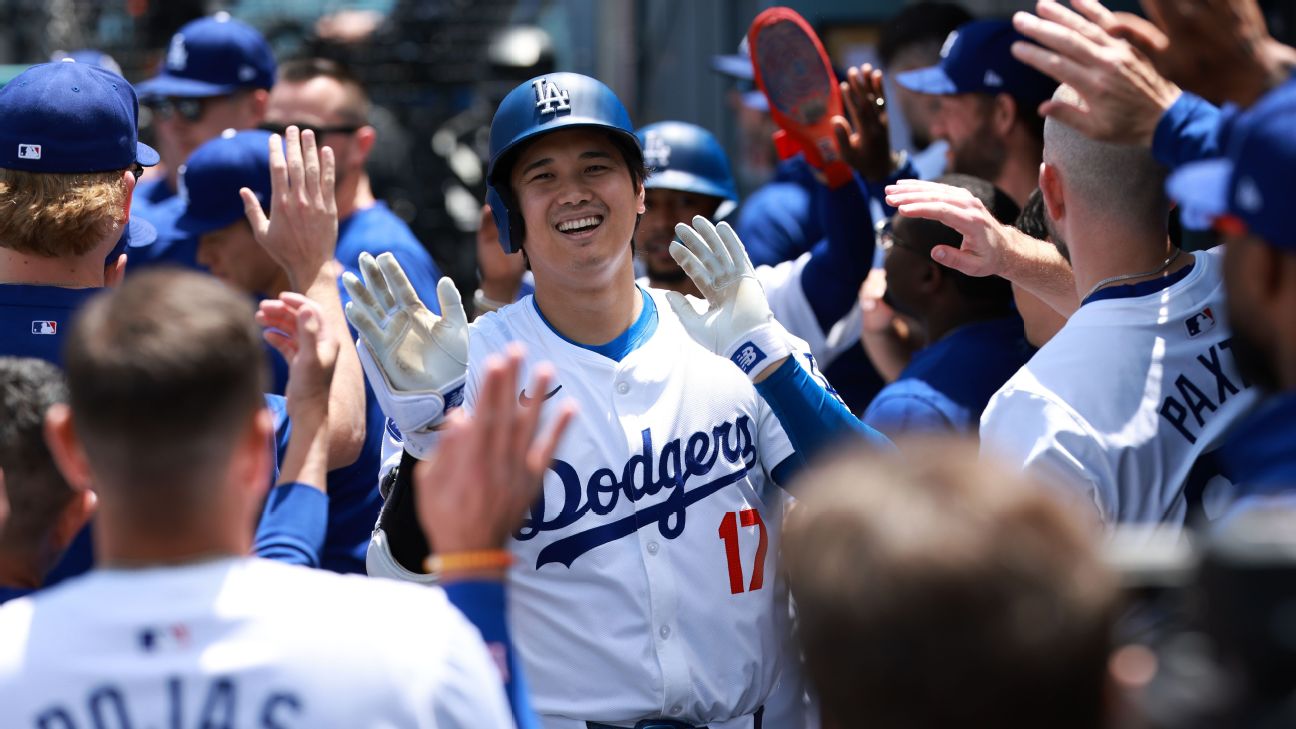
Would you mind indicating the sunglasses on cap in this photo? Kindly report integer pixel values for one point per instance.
(189, 109)
(887, 239)
(320, 131)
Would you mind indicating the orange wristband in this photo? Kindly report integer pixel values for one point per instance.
(486, 559)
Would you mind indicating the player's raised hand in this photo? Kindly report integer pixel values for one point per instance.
(864, 141)
(986, 244)
(487, 469)
(301, 232)
(416, 361)
(1221, 49)
(735, 321)
(1123, 96)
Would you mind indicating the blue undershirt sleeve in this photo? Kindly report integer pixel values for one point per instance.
(811, 416)
(482, 601)
(1188, 131)
(293, 525)
(839, 263)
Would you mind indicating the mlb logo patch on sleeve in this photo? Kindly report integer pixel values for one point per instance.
(29, 151)
(44, 327)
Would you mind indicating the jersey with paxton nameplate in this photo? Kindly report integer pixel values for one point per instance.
(793, 71)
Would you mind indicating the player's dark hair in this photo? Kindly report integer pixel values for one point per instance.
(1033, 219)
(942, 575)
(927, 234)
(36, 490)
(925, 23)
(164, 372)
(301, 70)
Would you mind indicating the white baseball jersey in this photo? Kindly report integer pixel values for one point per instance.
(1128, 400)
(791, 308)
(243, 642)
(645, 582)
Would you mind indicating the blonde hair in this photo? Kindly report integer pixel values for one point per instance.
(55, 215)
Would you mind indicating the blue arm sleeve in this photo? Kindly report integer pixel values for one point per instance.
(293, 525)
(832, 277)
(1188, 131)
(482, 601)
(811, 415)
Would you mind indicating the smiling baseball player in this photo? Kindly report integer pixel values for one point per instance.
(643, 589)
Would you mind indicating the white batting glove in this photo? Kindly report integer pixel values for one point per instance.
(416, 361)
(735, 321)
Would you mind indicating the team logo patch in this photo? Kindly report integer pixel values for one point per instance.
(550, 97)
(164, 637)
(29, 151)
(1200, 323)
(177, 54)
(1248, 195)
(748, 356)
(454, 398)
(45, 327)
(656, 151)
(992, 79)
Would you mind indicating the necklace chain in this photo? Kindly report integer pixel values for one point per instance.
(1128, 276)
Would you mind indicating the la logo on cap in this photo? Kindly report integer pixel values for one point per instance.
(177, 55)
(656, 151)
(992, 78)
(1249, 197)
(29, 151)
(550, 98)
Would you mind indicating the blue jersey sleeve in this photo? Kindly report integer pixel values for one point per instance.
(482, 601)
(832, 277)
(811, 415)
(1188, 131)
(293, 525)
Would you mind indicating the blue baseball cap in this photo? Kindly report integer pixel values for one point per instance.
(686, 157)
(70, 117)
(213, 57)
(211, 178)
(1252, 187)
(977, 58)
(91, 56)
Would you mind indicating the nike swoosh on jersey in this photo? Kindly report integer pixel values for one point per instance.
(524, 400)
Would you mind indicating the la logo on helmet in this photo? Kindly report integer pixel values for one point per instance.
(550, 99)
(656, 151)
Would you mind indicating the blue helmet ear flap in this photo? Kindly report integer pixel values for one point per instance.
(507, 220)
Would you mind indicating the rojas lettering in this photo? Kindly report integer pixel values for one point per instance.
(645, 474)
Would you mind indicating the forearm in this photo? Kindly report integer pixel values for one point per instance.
(346, 427)
(1188, 131)
(1040, 269)
(811, 416)
(483, 603)
(838, 265)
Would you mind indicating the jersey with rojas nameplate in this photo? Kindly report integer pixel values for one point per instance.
(1129, 400)
(645, 581)
(243, 642)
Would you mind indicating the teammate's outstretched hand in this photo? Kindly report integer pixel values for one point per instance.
(487, 469)
(735, 322)
(416, 361)
(865, 141)
(301, 233)
(987, 243)
(1221, 49)
(1123, 95)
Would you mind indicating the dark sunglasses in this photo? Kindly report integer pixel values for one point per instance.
(282, 129)
(191, 110)
(137, 171)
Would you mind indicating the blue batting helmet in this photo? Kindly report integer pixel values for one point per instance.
(539, 106)
(683, 156)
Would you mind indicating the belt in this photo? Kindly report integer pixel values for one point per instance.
(672, 724)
